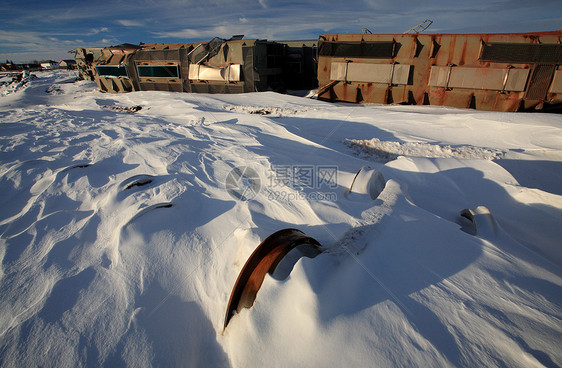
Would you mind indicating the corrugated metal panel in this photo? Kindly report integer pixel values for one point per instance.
(370, 73)
(556, 86)
(540, 81)
(521, 53)
(479, 78)
(550, 54)
(354, 49)
(157, 55)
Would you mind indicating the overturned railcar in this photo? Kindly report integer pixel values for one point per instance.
(501, 72)
(218, 66)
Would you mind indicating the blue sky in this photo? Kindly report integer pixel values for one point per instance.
(38, 30)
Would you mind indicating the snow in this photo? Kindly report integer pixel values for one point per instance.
(121, 239)
(388, 151)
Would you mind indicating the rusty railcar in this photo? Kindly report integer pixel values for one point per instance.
(500, 72)
(217, 66)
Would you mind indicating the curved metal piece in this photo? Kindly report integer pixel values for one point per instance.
(355, 177)
(367, 181)
(266, 259)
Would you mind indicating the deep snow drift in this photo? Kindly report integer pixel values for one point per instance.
(122, 236)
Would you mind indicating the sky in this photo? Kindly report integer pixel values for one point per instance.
(41, 30)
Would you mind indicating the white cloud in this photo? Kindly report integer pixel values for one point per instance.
(129, 23)
(26, 57)
(184, 33)
(16, 37)
(27, 46)
(94, 31)
(108, 41)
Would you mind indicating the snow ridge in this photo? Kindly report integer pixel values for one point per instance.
(384, 151)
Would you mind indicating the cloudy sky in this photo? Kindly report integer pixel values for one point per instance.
(45, 29)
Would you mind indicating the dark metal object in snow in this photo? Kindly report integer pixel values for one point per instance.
(276, 255)
(480, 222)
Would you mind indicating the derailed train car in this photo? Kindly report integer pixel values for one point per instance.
(218, 66)
(501, 72)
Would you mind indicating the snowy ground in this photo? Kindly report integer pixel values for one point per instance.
(121, 237)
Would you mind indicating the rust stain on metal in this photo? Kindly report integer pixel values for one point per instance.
(508, 54)
(463, 53)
